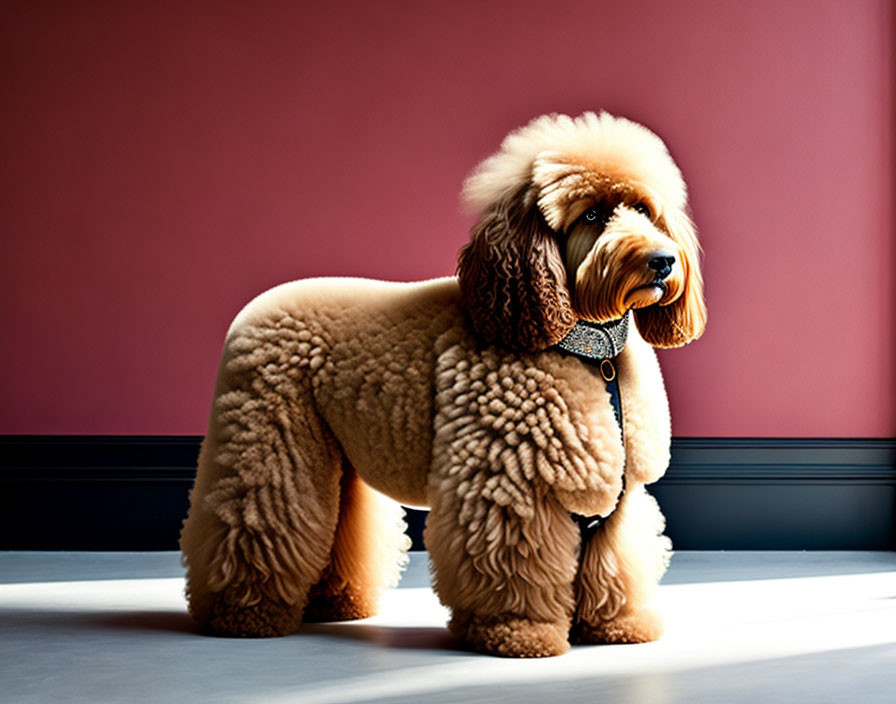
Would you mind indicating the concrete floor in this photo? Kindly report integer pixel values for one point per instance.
(741, 627)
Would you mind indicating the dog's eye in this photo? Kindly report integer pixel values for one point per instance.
(643, 209)
(593, 215)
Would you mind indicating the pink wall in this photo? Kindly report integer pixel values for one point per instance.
(163, 162)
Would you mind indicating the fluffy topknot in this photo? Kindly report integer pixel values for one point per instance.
(613, 146)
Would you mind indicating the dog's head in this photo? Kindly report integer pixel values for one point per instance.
(580, 218)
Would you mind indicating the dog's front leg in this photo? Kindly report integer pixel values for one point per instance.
(621, 568)
(508, 578)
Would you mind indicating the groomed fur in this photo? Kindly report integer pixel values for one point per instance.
(334, 393)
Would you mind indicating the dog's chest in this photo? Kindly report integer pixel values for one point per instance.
(508, 423)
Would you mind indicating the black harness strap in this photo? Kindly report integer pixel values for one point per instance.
(599, 344)
(588, 525)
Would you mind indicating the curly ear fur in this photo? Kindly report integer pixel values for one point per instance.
(512, 278)
(683, 320)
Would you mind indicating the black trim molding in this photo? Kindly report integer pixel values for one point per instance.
(130, 493)
(780, 494)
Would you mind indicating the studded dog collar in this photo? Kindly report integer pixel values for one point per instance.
(598, 343)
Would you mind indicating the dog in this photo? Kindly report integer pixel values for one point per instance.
(514, 400)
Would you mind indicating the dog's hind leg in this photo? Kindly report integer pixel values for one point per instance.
(369, 553)
(260, 537)
(266, 501)
(621, 568)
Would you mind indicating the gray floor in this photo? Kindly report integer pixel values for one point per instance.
(741, 627)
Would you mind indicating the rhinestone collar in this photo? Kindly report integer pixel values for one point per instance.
(596, 341)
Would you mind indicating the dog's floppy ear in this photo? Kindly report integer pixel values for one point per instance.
(512, 278)
(680, 322)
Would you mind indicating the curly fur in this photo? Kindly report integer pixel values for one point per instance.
(335, 393)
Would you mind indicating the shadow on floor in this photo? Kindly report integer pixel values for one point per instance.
(159, 621)
(176, 622)
(695, 567)
(410, 638)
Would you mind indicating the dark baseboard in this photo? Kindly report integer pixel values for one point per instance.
(780, 494)
(130, 493)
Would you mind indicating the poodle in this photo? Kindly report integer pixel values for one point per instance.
(514, 400)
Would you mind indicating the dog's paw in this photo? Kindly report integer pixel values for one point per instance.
(638, 627)
(511, 636)
(265, 619)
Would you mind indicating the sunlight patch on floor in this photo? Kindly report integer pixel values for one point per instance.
(98, 595)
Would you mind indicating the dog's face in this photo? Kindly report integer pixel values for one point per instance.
(580, 218)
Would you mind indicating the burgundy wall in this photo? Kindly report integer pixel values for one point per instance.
(164, 162)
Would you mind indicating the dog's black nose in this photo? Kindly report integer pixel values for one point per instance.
(661, 262)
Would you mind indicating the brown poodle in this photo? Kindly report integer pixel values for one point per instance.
(479, 396)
